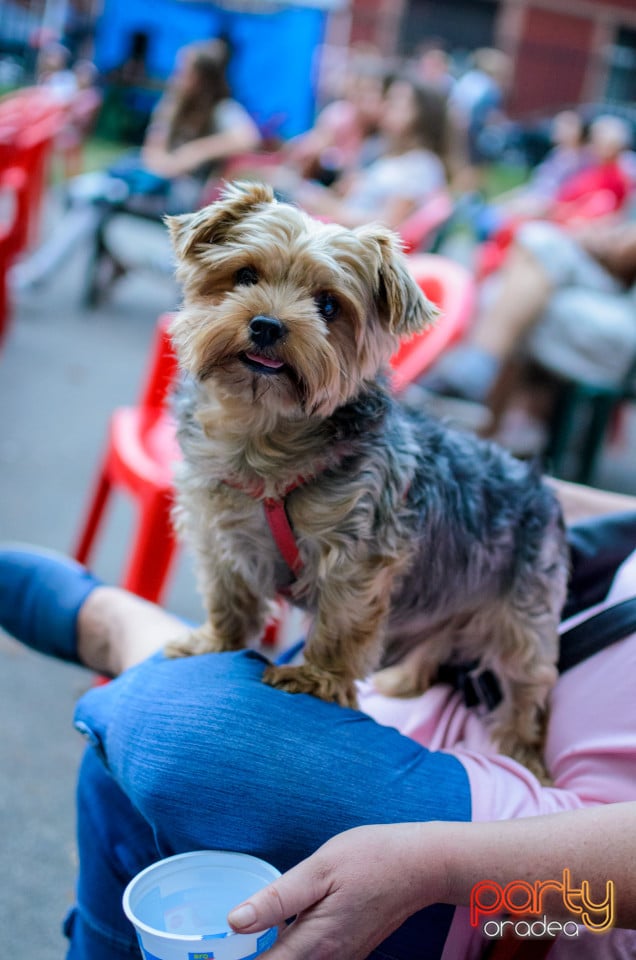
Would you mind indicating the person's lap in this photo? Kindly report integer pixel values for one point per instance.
(114, 844)
(210, 757)
(587, 335)
(587, 331)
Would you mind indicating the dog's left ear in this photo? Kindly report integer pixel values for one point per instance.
(211, 223)
(402, 306)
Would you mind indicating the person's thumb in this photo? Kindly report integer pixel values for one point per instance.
(292, 893)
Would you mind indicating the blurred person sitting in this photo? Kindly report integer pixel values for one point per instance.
(195, 128)
(568, 156)
(566, 302)
(477, 106)
(414, 123)
(53, 71)
(600, 188)
(432, 66)
(197, 125)
(345, 135)
(609, 138)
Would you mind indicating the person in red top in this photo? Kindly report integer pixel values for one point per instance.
(608, 139)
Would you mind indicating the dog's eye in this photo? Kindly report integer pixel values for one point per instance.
(245, 277)
(328, 305)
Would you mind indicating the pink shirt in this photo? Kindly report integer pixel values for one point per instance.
(590, 753)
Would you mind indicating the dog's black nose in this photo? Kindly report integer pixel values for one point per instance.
(265, 331)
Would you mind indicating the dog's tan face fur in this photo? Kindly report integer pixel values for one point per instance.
(343, 297)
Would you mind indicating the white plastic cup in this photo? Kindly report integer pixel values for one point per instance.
(179, 906)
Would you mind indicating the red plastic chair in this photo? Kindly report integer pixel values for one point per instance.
(14, 200)
(140, 452)
(34, 148)
(30, 121)
(451, 288)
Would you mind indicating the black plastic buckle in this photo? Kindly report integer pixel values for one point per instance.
(476, 688)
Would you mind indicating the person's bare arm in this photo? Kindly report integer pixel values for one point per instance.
(597, 844)
(579, 502)
(360, 885)
(323, 202)
(117, 629)
(190, 156)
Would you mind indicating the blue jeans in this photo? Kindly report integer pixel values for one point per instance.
(198, 753)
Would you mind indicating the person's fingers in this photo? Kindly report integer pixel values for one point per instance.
(292, 893)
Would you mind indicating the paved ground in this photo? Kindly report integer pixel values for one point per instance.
(61, 373)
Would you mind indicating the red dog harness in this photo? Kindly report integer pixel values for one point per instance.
(276, 512)
(282, 531)
(278, 521)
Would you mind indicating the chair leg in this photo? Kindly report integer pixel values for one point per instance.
(574, 398)
(561, 428)
(602, 406)
(153, 551)
(5, 308)
(94, 288)
(94, 518)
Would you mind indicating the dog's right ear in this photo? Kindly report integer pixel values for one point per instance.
(211, 224)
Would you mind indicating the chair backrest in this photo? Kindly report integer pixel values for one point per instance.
(161, 370)
(420, 228)
(13, 201)
(157, 431)
(30, 120)
(451, 288)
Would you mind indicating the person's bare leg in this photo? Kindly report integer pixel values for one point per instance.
(117, 629)
(523, 295)
(472, 369)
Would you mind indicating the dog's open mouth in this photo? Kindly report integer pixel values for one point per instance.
(261, 364)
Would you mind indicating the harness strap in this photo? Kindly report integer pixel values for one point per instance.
(278, 521)
(577, 644)
(276, 512)
(283, 534)
(597, 632)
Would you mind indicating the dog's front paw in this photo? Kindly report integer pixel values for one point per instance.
(195, 642)
(309, 679)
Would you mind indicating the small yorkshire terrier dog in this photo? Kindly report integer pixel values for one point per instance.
(412, 545)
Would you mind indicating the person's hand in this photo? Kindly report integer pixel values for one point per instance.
(160, 162)
(349, 895)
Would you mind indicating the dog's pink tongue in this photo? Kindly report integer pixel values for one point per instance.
(265, 361)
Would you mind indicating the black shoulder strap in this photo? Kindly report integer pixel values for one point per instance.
(598, 546)
(596, 633)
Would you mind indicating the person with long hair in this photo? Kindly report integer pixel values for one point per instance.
(195, 128)
(197, 125)
(415, 125)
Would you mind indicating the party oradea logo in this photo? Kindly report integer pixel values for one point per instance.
(518, 908)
